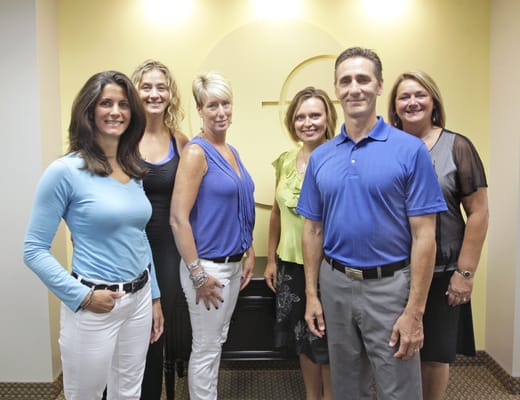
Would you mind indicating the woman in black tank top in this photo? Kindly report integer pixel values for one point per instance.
(159, 149)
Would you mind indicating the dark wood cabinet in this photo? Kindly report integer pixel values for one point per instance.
(250, 334)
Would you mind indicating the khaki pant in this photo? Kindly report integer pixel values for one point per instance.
(359, 316)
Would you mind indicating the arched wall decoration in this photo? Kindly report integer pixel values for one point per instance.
(285, 96)
(267, 62)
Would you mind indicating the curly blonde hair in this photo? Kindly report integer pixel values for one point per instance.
(174, 113)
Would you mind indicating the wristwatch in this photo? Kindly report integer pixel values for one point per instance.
(465, 273)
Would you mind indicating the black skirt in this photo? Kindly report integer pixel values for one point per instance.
(290, 329)
(448, 330)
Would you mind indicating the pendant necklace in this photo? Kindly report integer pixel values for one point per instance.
(303, 166)
(426, 138)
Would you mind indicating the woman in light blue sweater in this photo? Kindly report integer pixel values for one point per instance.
(106, 312)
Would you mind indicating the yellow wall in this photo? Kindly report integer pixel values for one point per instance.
(448, 39)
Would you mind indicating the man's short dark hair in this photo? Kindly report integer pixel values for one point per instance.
(361, 52)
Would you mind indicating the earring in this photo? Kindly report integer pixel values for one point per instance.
(396, 119)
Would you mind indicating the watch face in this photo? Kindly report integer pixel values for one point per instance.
(466, 274)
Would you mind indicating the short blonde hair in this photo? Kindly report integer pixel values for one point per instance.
(211, 84)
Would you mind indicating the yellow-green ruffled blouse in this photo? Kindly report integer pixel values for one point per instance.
(287, 195)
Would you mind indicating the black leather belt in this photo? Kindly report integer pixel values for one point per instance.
(378, 272)
(220, 260)
(127, 287)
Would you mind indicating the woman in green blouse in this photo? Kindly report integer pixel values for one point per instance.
(310, 120)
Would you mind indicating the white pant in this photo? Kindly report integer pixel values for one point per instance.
(209, 328)
(99, 350)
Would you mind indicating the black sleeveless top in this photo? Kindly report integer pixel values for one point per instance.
(158, 186)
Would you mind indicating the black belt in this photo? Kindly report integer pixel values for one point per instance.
(378, 272)
(127, 287)
(220, 260)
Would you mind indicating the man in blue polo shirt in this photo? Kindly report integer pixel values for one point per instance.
(369, 199)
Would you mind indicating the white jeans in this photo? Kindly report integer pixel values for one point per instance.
(99, 350)
(210, 328)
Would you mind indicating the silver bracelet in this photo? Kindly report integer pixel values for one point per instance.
(90, 299)
(200, 283)
(194, 265)
(199, 279)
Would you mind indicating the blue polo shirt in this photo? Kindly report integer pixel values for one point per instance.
(364, 192)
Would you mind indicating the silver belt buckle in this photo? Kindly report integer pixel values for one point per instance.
(353, 273)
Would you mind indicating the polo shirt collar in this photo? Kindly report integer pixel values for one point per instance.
(379, 131)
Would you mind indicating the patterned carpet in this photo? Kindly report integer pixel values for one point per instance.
(264, 380)
(476, 382)
(261, 380)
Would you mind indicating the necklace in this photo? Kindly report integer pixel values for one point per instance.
(426, 139)
(303, 165)
(302, 168)
(428, 135)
